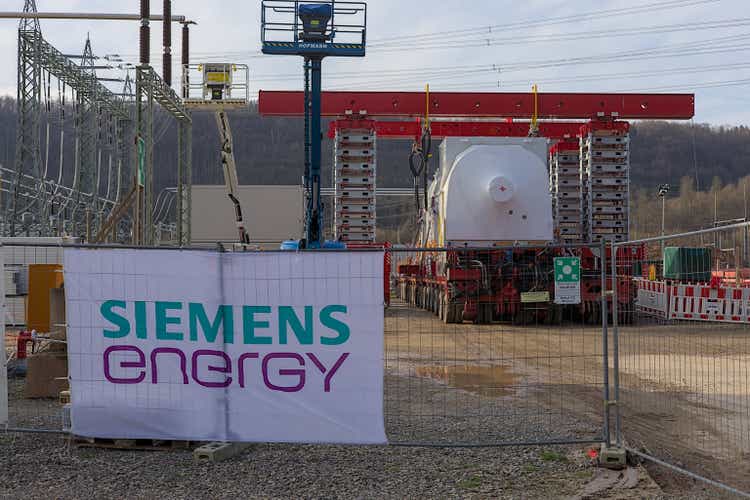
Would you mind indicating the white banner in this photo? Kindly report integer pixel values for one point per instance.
(255, 347)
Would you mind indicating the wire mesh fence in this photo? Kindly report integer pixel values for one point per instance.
(29, 263)
(478, 352)
(683, 366)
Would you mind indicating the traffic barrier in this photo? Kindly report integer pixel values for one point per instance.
(706, 303)
(652, 297)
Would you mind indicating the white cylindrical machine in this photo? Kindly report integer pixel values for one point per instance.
(489, 191)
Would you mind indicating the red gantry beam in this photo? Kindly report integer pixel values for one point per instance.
(440, 129)
(568, 106)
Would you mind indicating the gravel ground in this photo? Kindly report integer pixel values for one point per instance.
(46, 466)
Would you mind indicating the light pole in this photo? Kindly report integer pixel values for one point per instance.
(663, 190)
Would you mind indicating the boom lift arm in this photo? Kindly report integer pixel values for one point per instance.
(230, 172)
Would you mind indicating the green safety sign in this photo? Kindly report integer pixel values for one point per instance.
(567, 269)
(567, 280)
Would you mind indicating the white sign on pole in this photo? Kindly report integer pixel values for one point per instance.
(567, 280)
(276, 347)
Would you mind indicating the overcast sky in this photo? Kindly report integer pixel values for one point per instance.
(699, 46)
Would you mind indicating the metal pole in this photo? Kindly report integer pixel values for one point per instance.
(185, 60)
(180, 186)
(145, 34)
(605, 345)
(663, 215)
(86, 16)
(167, 39)
(314, 231)
(616, 347)
(747, 230)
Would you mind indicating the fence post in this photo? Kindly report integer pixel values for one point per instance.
(4, 358)
(605, 344)
(616, 347)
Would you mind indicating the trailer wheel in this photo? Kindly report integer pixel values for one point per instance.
(452, 312)
(558, 314)
(554, 314)
(484, 314)
(448, 317)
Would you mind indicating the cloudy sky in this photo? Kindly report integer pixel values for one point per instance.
(699, 46)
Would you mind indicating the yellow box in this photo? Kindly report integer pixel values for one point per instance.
(42, 278)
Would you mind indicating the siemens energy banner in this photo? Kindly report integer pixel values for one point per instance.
(282, 347)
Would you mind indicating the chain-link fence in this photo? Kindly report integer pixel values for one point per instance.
(477, 351)
(683, 368)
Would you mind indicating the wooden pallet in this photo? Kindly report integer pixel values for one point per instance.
(133, 444)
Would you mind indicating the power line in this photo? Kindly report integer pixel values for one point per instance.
(480, 31)
(556, 63)
(607, 76)
(578, 17)
(703, 85)
(586, 35)
(433, 71)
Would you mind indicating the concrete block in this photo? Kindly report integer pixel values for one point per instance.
(218, 451)
(613, 457)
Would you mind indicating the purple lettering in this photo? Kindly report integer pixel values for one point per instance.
(168, 350)
(241, 366)
(141, 363)
(331, 372)
(283, 371)
(227, 368)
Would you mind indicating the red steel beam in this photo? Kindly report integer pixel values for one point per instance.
(413, 129)
(568, 106)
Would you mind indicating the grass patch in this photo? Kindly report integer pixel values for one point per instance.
(471, 483)
(86, 453)
(530, 468)
(553, 456)
(584, 474)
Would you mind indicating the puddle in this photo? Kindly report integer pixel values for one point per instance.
(491, 381)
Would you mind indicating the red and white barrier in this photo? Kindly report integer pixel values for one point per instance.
(704, 303)
(652, 297)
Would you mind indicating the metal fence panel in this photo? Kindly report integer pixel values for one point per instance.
(683, 380)
(476, 351)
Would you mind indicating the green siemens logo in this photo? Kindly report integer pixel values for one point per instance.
(227, 324)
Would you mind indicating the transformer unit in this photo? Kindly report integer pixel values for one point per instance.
(489, 191)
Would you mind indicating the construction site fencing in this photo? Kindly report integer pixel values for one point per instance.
(477, 351)
(682, 354)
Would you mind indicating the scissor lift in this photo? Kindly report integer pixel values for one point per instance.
(219, 88)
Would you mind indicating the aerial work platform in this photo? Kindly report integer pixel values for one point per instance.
(216, 86)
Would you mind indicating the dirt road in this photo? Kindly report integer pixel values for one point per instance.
(685, 388)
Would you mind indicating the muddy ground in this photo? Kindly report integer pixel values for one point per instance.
(685, 388)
